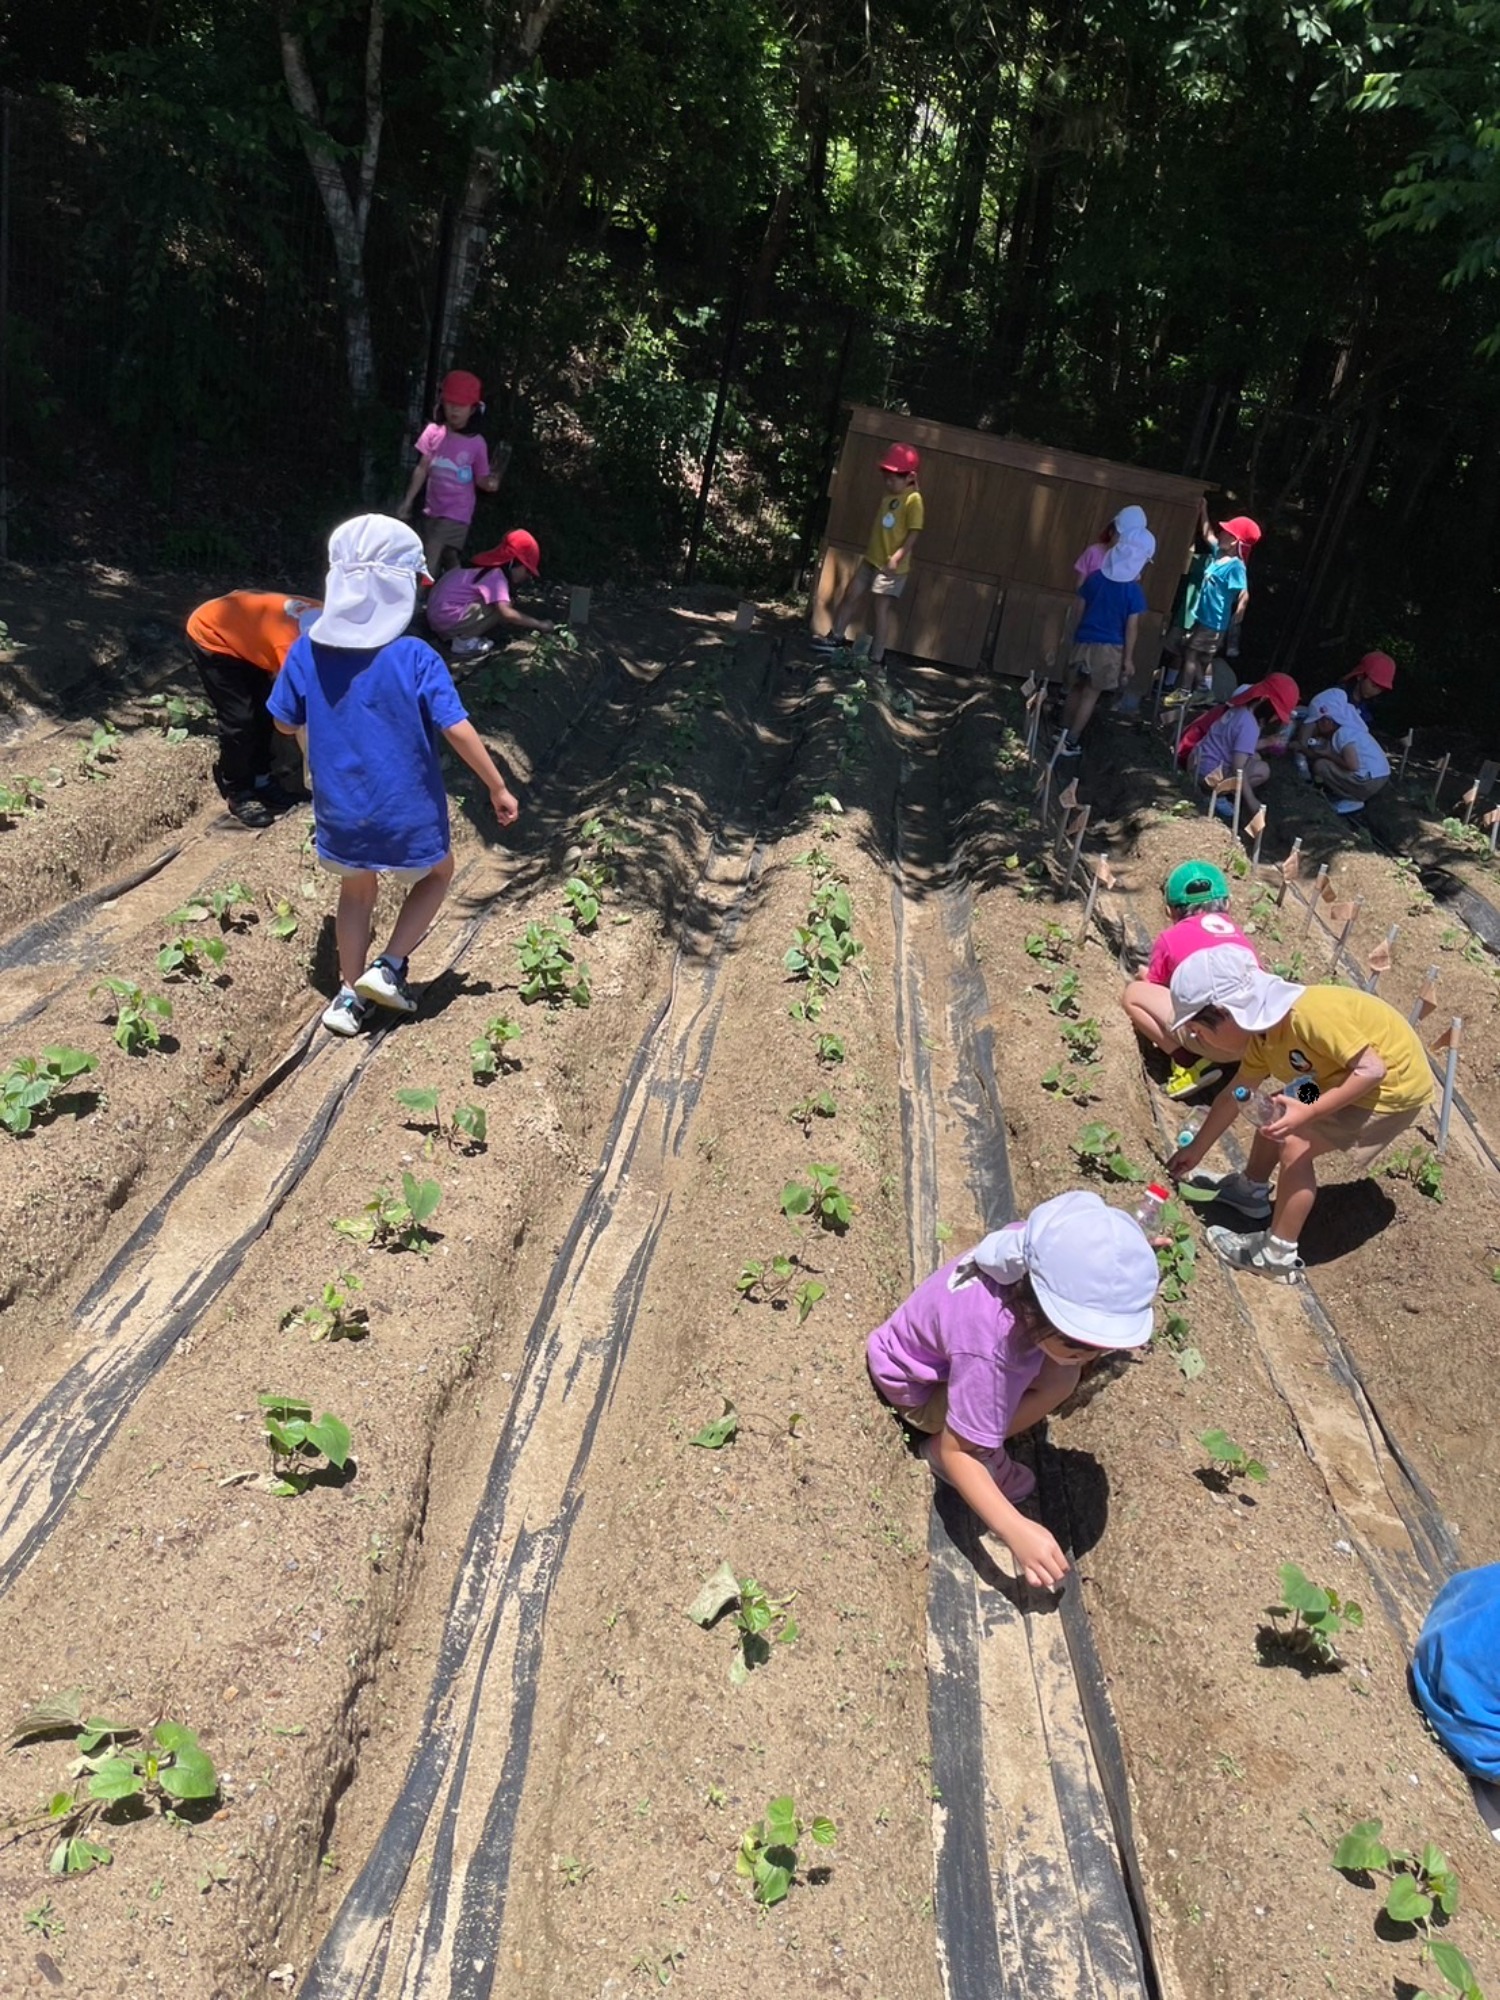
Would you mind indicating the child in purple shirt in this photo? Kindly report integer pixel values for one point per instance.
(990, 1343)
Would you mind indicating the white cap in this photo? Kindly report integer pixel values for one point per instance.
(374, 562)
(1229, 976)
(1134, 549)
(1091, 1266)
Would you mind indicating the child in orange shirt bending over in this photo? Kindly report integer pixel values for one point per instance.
(886, 563)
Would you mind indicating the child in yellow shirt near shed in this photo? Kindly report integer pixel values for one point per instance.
(886, 563)
(1352, 1075)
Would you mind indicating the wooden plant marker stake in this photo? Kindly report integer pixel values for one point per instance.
(1067, 806)
(1426, 1000)
(1313, 900)
(580, 602)
(1442, 772)
(1380, 958)
(1101, 877)
(1449, 1041)
(1255, 828)
(1492, 821)
(1406, 743)
(1213, 784)
(1081, 822)
(1469, 800)
(1177, 739)
(1291, 868)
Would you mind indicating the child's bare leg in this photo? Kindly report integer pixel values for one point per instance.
(1296, 1187)
(885, 618)
(1079, 708)
(849, 603)
(423, 901)
(353, 921)
(1149, 1011)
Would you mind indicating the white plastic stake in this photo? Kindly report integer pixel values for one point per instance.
(1289, 870)
(1417, 1005)
(1239, 793)
(1450, 1081)
(1358, 905)
(580, 601)
(1088, 905)
(1442, 772)
(1406, 743)
(1315, 898)
(744, 617)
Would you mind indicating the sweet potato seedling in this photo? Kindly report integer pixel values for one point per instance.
(582, 902)
(817, 1104)
(1423, 1886)
(189, 957)
(826, 943)
(232, 907)
(1230, 1458)
(1052, 941)
(20, 798)
(467, 1127)
(177, 714)
(1063, 997)
(118, 1769)
(387, 1222)
(771, 1283)
(101, 750)
(819, 1196)
(139, 1017)
(489, 1052)
(1177, 1255)
(829, 1050)
(32, 1086)
(1082, 1040)
(1070, 1084)
(768, 1853)
(334, 1316)
(1100, 1150)
(1318, 1616)
(284, 919)
(549, 969)
(760, 1622)
(723, 1430)
(295, 1443)
(1419, 1165)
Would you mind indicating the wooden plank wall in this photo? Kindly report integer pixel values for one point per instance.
(1005, 521)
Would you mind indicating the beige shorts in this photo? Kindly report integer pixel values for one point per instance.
(1203, 642)
(404, 876)
(1360, 1134)
(1100, 666)
(930, 1416)
(888, 586)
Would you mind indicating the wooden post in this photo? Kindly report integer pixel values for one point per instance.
(1442, 772)
(1450, 1080)
(1314, 898)
(580, 601)
(1083, 825)
(1406, 743)
(1350, 922)
(744, 617)
(1380, 958)
(1290, 869)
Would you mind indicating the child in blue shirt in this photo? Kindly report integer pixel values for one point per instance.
(1103, 656)
(1222, 597)
(372, 703)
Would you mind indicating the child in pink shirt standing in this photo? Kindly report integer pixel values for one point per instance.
(992, 1342)
(452, 460)
(1196, 895)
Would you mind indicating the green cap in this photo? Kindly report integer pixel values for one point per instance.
(1194, 885)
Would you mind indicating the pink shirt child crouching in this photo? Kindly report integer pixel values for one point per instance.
(1199, 932)
(957, 1330)
(457, 592)
(458, 458)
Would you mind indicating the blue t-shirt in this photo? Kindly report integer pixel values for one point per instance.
(1222, 583)
(372, 727)
(1107, 606)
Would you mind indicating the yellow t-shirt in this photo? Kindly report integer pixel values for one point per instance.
(1323, 1034)
(900, 515)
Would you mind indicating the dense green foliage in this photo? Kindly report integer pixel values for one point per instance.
(1254, 241)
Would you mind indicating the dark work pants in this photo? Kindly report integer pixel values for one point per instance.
(239, 693)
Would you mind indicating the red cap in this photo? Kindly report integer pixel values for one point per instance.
(459, 386)
(902, 458)
(1377, 667)
(1242, 528)
(517, 546)
(1281, 691)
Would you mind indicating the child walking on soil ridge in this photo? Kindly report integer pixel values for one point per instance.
(1103, 657)
(1222, 597)
(992, 1342)
(373, 702)
(452, 460)
(886, 563)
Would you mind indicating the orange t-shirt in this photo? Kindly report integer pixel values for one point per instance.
(251, 625)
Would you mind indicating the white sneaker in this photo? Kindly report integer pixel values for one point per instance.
(471, 649)
(346, 1013)
(1239, 1191)
(387, 987)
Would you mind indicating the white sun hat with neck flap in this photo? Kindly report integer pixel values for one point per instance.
(374, 562)
(1091, 1267)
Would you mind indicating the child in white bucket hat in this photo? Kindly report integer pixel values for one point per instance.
(1362, 1079)
(373, 702)
(990, 1343)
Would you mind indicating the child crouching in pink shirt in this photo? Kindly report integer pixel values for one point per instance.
(1197, 896)
(993, 1341)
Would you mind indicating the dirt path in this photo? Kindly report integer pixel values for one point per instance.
(467, 1740)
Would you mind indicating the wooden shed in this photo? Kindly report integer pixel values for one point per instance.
(992, 578)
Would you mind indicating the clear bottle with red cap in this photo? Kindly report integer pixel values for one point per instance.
(1152, 1202)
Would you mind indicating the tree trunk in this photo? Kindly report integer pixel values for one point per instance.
(348, 213)
(503, 58)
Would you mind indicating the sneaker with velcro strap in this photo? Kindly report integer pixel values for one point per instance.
(346, 1014)
(384, 983)
(1257, 1252)
(1238, 1191)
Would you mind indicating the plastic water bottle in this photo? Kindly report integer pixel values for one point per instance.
(1153, 1201)
(1259, 1106)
